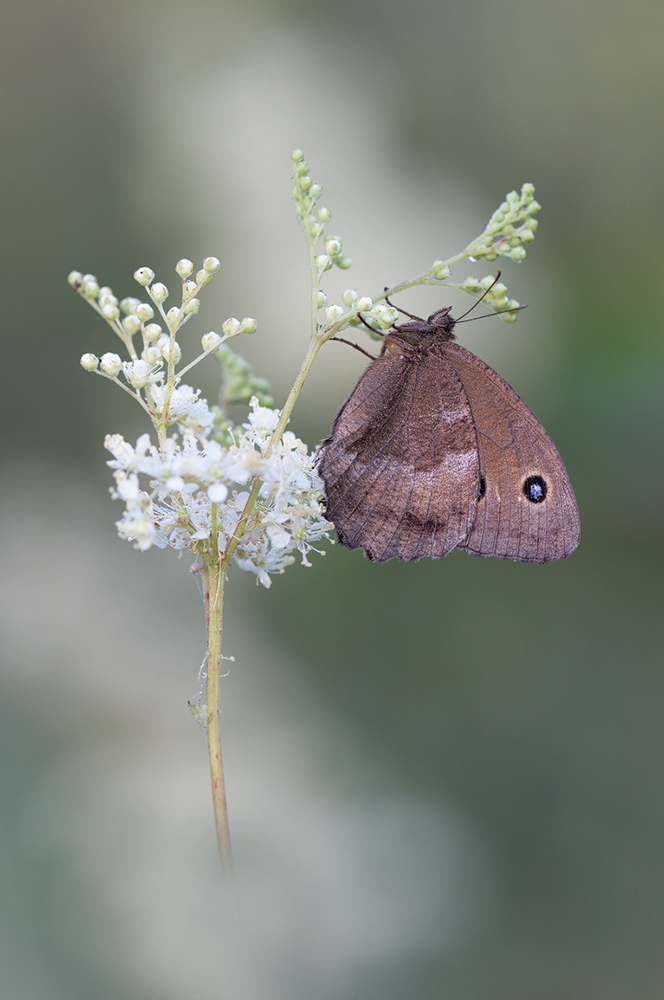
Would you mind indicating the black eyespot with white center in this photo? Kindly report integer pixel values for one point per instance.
(535, 489)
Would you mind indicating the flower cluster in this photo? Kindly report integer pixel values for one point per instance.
(510, 226)
(192, 498)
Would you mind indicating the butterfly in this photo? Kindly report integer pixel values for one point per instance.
(433, 451)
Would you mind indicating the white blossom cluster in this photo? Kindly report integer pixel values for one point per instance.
(191, 495)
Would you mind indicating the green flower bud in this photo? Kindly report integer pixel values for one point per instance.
(184, 267)
(88, 361)
(144, 311)
(211, 265)
(324, 214)
(364, 304)
(248, 325)
(74, 278)
(131, 325)
(297, 155)
(144, 276)
(152, 332)
(191, 307)
(518, 254)
(343, 263)
(321, 299)
(128, 305)
(349, 296)
(158, 292)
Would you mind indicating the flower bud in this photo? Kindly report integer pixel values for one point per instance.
(323, 262)
(200, 277)
(152, 355)
(343, 262)
(90, 289)
(248, 325)
(217, 493)
(333, 246)
(74, 278)
(324, 214)
(152, 332)
(188, 289)
(191, 307)
(144, 311)
(173, 318)
(440, 271)
(316, 191)
(110, 364)
(144, 276)
(128, 305)
(334, 313)
(211, 265)
(170, 354)
(131, 325)
(110, 311)
(89, 361)
(364, 304)
(349, 296)
(158, 292)
(210, 340)
(231, 326)
(297, 156)
(518, 254)
(322, 299)
(106, 294)
(184, 267)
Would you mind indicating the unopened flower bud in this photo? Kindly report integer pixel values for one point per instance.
(211, 265)
(210, 340)
(323, 262)
(321, 299)
(105, 294)
(131, 325)
(316, 191)
(90, 289)
(334, 313)
(110, 364)
(170, 354)
(184, 267)
(364, 304)
(128, 305)
(349, 296)
(152, 332)
(440, 271)
(173, 318)
(217, 493)
(231, 326)
(324, 214)
(248, 325)
(144, 312)
(158, 292)
(201, 277)
(333, 246)
(518, 254)
(188, 289)
(89, 361)
(110, 311)
(297, 156)
(343, 262)
(74, 278)
(144, 276)
(152, 355)
(191, 307)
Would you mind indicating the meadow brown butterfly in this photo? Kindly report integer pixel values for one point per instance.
(433, 450)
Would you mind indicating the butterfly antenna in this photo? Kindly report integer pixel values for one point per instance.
(475, 305)
(498, 312)
(399, 309)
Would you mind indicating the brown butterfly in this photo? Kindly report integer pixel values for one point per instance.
(433, 450)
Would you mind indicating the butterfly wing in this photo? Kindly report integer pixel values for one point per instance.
(528, 509)
(401, 467)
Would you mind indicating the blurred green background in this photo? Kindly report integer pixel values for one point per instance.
(445, 778)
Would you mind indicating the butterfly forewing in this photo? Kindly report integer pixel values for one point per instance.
(528, 510)
(401, 465)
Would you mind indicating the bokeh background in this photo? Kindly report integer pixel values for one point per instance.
(446, 779)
